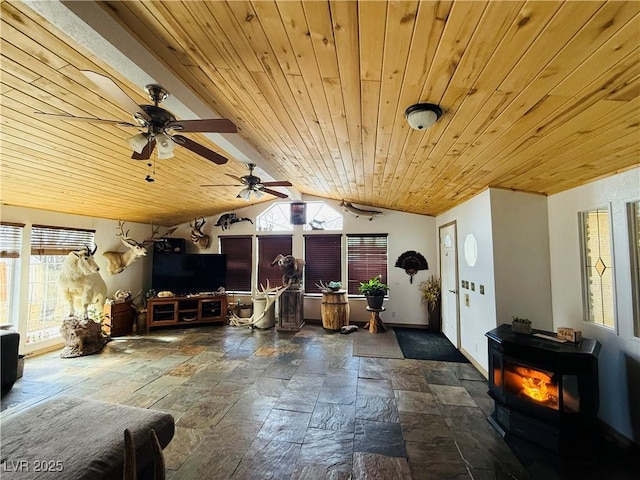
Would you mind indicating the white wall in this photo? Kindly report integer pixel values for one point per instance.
(521, 257)
(406, 232)
(474, 217)
(513, 265)
(619, 361)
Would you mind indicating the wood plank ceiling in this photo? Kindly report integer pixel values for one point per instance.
(537, 96)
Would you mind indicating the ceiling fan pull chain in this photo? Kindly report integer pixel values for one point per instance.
(152, 171)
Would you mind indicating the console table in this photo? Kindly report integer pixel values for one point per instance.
(184, 311)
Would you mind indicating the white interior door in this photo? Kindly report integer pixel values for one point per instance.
(449, 278)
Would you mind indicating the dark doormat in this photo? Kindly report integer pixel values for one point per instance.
(419, 344)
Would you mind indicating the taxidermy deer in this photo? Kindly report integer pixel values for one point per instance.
(80, 282)
(118, 261)
(198, 238)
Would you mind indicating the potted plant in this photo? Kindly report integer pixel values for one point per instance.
(375, 291)
(430, 291)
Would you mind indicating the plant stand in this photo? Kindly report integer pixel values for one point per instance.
(291, 310)
(434, 318)
(375, 324)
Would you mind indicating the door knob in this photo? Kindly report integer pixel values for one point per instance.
(453, 291)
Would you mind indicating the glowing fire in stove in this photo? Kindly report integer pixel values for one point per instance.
(534, 384)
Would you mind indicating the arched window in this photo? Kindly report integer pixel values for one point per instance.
(320, 216)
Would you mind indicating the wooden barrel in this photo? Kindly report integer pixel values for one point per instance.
(335, 310)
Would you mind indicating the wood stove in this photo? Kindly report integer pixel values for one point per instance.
(544, 391)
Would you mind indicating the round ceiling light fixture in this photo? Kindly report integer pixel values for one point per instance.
(422, 115)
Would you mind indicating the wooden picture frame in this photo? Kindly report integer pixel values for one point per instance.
(298, 213)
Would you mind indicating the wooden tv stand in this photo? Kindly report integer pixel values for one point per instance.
(185, 311)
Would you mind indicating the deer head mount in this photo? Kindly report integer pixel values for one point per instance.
(198, 238)
(118, 261)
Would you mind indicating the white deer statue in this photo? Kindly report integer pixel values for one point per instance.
(80, 282)
(118, 261)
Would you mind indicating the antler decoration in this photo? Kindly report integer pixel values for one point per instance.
(271, 294)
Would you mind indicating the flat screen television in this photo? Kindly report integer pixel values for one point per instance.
(189, 273)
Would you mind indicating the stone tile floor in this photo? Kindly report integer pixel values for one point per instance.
(290, 405)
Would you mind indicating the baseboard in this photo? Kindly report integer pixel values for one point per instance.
(407, 325)
(619, 439)
(479, 367)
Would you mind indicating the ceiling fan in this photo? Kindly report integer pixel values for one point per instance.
(158, 125)
(254, 185)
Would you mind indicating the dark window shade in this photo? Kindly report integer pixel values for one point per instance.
(47, 240)
(323, 260)
(366, 258)
(268, 249)
(10, 240)
(239, 260)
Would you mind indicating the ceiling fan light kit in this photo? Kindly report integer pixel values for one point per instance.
(422, 115)
(138, 142)
(165, 146)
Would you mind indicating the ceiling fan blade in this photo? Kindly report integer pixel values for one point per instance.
(235, 178)
(274, 192)
(213, 125)
(115, 93)
(72, 118)
(146, 151)
(199, 149)
(283, 183)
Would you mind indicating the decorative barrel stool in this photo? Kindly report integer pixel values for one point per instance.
(334, 310)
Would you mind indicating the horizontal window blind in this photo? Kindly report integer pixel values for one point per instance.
(47, 240)
(10, 239)
(268, 249)
(322, 255)
(366, 258)
(239, 256)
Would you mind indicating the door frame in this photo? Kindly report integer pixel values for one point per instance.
(453, 223)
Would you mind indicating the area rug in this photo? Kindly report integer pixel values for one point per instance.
(381, 345)
(419, 344)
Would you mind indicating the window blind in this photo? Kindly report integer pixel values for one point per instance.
(366, 258)
(323, 260)
(10, 239)
(268, 249)
(239, 259)
(47, 240)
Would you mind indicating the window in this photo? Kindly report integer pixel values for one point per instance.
(323, 260)
(366, 258)
(633, 214)
(269, 247)
(10, 245)
(321, 216)
(239, 259)
(276, 218)
(49, 248)
(597, 265)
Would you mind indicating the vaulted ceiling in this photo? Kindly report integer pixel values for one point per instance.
(536, 96)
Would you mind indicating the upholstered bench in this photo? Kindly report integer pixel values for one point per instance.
(72, 438)
(9, 341)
